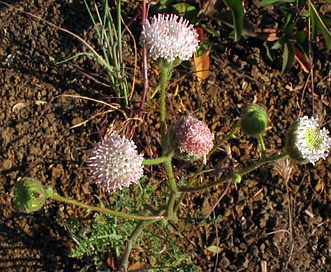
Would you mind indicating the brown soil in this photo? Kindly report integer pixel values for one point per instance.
(268, 223)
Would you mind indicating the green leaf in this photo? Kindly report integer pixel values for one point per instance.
(238, 13)
(300, 4)
(264, 3)
(182, 8)
(314, 22)
(269, 51)
(317, 24)
(288, 57)
(303, 42)
(280, 43)
(289, 25)
(326, 20)
(288, 32)
(185, 10)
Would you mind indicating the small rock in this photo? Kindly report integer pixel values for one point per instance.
(6, 164)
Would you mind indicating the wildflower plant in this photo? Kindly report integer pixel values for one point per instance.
(115, 163)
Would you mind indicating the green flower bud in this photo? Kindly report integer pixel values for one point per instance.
(30, 195)
(254, 120)
(237, 179)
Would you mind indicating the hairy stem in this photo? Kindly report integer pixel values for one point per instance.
(158, 160)
(173, 188)
(239, 173)
(163, 109)
(57, 197)
(130, 242)
(261, 145)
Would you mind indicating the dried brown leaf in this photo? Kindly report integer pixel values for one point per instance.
(267, 34)
(302, 59)
(202, 63)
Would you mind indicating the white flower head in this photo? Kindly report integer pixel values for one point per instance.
(115, 163)
(167, 38)
(312, 142)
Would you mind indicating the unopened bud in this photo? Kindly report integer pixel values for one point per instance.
(254, 120)
(30, 195)
(237, 179)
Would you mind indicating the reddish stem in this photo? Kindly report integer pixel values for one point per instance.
(145, 73)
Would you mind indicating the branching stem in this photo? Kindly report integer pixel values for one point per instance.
(240, 173)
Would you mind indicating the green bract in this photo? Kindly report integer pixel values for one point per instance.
(254, 120)
(291, 147)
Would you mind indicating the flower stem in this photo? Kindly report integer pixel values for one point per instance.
(57, 197)
(131, 240)
(158, 160)
(171, 212)
(261, 145)
(163, 109)
(226, 138)
(239, 173)
(165, 69)
(173, 188)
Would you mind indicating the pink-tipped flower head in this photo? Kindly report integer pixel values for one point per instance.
(115, 163)
(168, 38)
(192, 138)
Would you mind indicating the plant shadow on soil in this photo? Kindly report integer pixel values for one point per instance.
(265, 221)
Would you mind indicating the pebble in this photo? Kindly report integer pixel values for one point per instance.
(6, 164)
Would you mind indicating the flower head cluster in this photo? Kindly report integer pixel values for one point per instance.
(167, 38)
(115, 163)
(193, 138)
(306, 142)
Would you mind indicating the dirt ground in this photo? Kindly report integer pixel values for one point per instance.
(269, 222)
